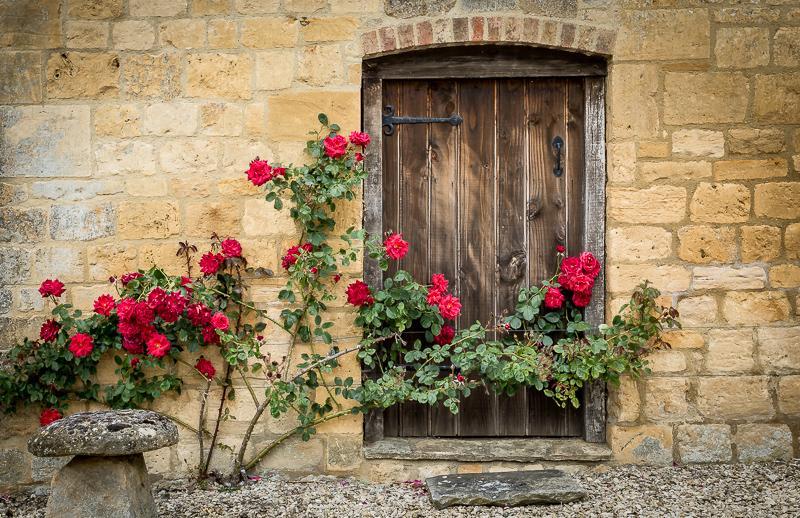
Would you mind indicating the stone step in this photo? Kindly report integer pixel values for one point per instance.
(507, 489)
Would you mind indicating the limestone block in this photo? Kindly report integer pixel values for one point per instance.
(748, 14)
(704, 443)
(82, 222)
(621, 161)
(638, 244)
(789, 395)
(625, 278)
(15, 467)
(204, 218)
(728, 278)
(261, 219)
(210, 7)
(658, 204)
(777, 98)
(760, 243)
(268, 33)
(756, 141)
(750, 308)
(665, 361)
(124, 156)
(624, 401)
(698, 143)
(698, 311)
(171, 119)
(683, 339)
(94, 9)
(82, 75)
(221, 34)
(21, 80)
(792, 241)
(21, 225)
(117, 120)
(698, 98)
(290, 115)
(664, 34)
(777, 200)
(330, 29)
(184, 33)
(189, 156)
(141, 8)
(31, 24)
(763, 442)
(45, 141)
(742, 47)
(275, 69)
(320, 65)
(705, 244)
(720, 203)
(730, 350)
(750, 169)
(221, 119)
(152, 75)
(148, 219)
(223, 75)
(110, 260)
(647, 444)
(634, 111)
(779, 348)
(257, 6)
(86, 34)
(72, 190)
(63, 263)
(786, 47)
(133, 35)
(784, 276)
(734, 397)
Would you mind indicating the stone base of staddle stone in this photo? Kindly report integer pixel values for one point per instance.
(115, 487)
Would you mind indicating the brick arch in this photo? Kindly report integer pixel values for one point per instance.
(514, 30)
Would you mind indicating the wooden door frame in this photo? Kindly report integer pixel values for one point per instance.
(519, 62)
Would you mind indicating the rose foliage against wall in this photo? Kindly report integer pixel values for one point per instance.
(160, 328)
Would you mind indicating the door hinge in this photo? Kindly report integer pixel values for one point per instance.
(390, 119)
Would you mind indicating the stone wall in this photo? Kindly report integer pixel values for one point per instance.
(125, 126)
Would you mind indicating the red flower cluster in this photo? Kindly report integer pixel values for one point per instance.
(135, 324)
(449, 305)
(104, 305)
(49, 330)
(49, 415)
(200, 316)
(205, 368)
(577, 274)
(169, 306)
(260, 172)
(358, 138)
(81, 345)
(396, 248)
(220, 321)
(53, 288)
(358, 294)
(231, 248)
(158, 345)
(128, 277)
(293, 253)
(210, 263)
(335, 146)
(445, 336)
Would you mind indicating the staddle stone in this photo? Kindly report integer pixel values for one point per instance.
(507, 489)
(104, 434)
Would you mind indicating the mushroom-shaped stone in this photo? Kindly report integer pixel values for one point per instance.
(107, 475)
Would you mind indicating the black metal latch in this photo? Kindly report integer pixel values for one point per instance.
(558, 146)
(390, 119)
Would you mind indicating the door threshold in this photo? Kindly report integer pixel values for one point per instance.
(487, 449)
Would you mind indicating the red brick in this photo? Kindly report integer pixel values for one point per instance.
(424, 33)
(494, 24)
(405, 36)
(605, 42)
(369, 42)
(567, 35)
(477, 28)
(387, 39)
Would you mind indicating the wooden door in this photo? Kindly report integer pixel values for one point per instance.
(481, 203)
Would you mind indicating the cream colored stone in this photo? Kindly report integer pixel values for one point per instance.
(734, 397)
(779, 348)
(683, 339)
(791, 241)
(621, 162)
(658, 204)
(219, 75)
(141, 8)
(750, 169)
(290, 115)
(698, 143)
(257, 6)
(146, 186)
(152, 75)
(83, 297)
(133, 35)
(742, 47)
(698, 311)
(221, 34)
(221, 119)
(634, 111)
(624, 401)
(261, 219)
(204, 218)
(237, 154)
(666, 361)
(755, 141)
(752, 308)
(183, 34)
(760, 243)
(786, 47)
(625, 278)
(777, 98)
(86, 34)
(653, 149)
(163, 255)
(330, 29)
(255, 119)
(784, 276)
(671, 34)
(728, 278)
(117, 120)
(147, 219)
(188, 156)
(720, 203)
(82, 75)
(703, 244)
(268, 33)
(645, 444)
(63, 263)
(320, 65)
(94, 9)
(730, 350)
(789, 395)
(171, 119)
(779, 200)
(638, 244)
(124, 156)
(356, 6)
(210, 7)
(675, 171)
(696, 98)
(110, 260)
(274, 69)
(763, 442)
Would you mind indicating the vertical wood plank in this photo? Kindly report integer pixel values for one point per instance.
(574, 172)
(442, 244)
(391, 170)
(477, 233)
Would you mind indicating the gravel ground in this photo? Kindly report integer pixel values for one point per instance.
(753, 490)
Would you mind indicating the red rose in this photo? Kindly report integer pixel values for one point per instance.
(53, 288)
(439, 282)
(210, 335)
(158, 345)
(128, 277)
(589, 264)
(104, 305)
(172, 307)
(358, 294)
(134, 362)
(581, 299)
(581, 283)
(335, 146)
(571, 266)
(359, 157)
(278, 171)
(198, 314)
(259, 172)
(445, 336)
(210, 263)
(156, 298)
(205, 368)
(460, 378)
(132, 345)
(337, 277)
(231, 248)
(434, 296)
(358, 138)
(560, 249)
(450, 307)
(49, 330)
(395, 246)
(220, 321)
(293, 253)
(81, 345)
(553, 298)
(48, 416)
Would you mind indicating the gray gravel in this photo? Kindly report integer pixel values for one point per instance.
(720, 490)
